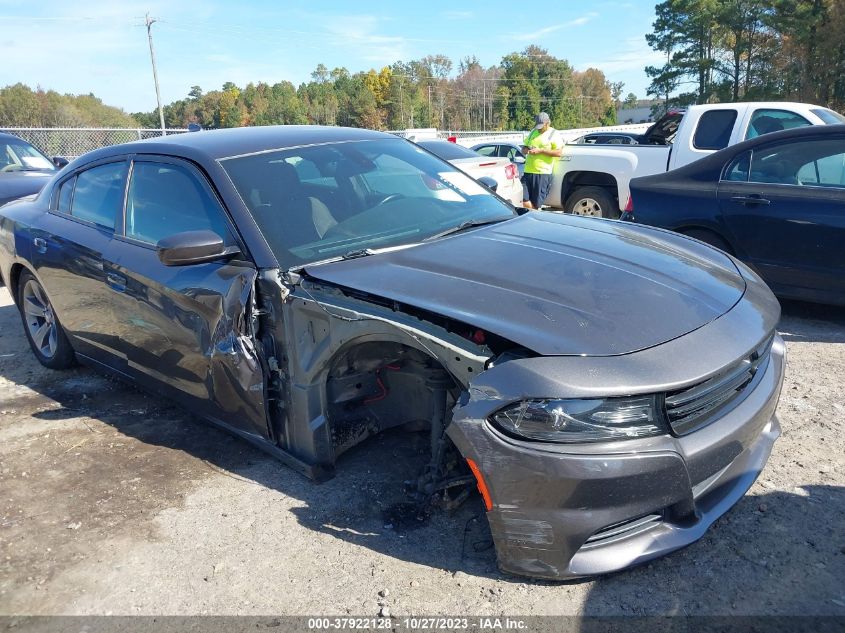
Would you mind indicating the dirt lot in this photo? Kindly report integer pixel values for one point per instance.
(112, 501)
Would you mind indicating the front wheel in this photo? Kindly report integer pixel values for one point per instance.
(43, 330)
(592, 201)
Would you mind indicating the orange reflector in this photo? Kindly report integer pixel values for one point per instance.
(482, 487)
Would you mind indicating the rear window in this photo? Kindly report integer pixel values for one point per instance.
(714, 129)
(98, 195)
(447, 150)
(486, 150)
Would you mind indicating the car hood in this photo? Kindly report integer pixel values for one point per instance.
(557, 285)
(16, 184)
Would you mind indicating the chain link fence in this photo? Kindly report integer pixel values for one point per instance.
(73, 142)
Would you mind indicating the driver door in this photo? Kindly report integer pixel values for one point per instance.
(186, 330)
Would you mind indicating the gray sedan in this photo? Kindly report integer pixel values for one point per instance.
(23, 169)
(609, 389)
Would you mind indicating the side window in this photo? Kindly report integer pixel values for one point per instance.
(823, 163)
(98, 195)
(714, 129)
(776, 164)
(165, 199)
(65, 196)
(512, 152)
(737, 170)
(764, 121)
(487, 150)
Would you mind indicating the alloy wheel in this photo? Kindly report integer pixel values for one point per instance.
(588, 206)
(39, 318)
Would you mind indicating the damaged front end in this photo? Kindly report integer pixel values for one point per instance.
(629, 484)
(346, 366)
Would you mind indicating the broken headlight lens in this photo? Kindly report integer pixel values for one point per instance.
(576, 420)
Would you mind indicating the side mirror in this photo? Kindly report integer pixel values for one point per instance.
(192, 247)
(519, 159)
(489, 182)
(60, 161)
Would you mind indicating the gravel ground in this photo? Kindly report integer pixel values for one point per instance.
(112, 501)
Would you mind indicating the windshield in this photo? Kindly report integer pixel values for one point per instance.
(322, 201)
(828, 116)
(18, 155)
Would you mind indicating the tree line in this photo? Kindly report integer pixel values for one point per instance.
(429, 92)
(20, 106)
(749, 50)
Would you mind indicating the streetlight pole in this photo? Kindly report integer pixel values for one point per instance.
(149, 22)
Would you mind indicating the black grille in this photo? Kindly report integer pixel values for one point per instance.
(692, 408)
(624, 529)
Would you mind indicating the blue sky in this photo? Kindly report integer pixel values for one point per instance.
(100, 46)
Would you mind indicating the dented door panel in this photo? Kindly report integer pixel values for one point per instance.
(187, 330)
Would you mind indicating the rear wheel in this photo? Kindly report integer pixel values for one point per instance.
(593, 202)
(43, 330)
(709, 237)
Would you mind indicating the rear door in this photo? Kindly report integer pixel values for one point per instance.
(784, 205)
(68, 251)
(186, 330)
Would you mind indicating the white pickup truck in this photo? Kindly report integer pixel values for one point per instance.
(594, 179)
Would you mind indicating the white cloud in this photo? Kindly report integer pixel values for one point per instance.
(540, 33)
(635, 54)
(458, 15)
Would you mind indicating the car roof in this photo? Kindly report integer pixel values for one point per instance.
(5, 135)
(225, 143)
(716, 160)
(782, 135)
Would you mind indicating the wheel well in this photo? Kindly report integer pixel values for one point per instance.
(14, 278)
(574, 180)
(375, 386)
(702, 233)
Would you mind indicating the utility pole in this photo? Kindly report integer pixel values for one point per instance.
(149, 22)
(429, 104)
(401, 104)
(484, 103)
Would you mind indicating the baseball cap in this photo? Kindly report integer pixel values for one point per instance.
(541, 119)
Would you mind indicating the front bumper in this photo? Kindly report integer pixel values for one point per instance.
(565, 511)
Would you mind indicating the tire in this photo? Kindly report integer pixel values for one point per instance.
(45, 334)
(709, 237)
(593, 202)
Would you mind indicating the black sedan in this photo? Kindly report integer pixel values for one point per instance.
(777, 202)
(307, 288)
(23, 169)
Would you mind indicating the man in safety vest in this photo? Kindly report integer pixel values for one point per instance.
(542, 148)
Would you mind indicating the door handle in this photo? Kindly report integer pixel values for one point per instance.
(40, 244)
(116, 282)
(751, 200)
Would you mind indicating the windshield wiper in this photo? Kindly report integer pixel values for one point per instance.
(468, 224)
